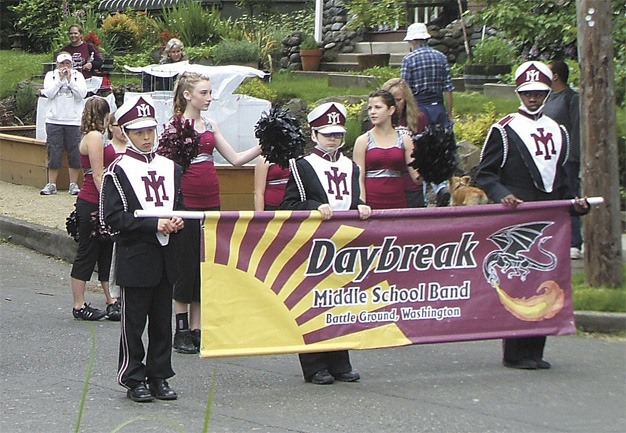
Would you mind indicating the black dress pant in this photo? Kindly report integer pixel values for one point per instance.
(516, 349)
(154, 305)
(335, 362)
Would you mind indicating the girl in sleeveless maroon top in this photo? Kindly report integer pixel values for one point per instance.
(383, 153)
(270, 181)
(200, 188)
(94, 156)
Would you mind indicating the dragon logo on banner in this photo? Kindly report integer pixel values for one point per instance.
(509, 260)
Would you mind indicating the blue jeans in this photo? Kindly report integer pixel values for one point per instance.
(435, 113)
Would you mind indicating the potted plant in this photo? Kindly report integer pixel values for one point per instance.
(491, 58)
(371, 16)
(310, 53)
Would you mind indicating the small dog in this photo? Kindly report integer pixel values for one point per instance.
(463, 194)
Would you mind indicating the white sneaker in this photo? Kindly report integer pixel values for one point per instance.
(49, 189)
(575, 253)
(73, 189)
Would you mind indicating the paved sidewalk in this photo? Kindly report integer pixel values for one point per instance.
(22, 225)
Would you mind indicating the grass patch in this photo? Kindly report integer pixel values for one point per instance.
(606, 299)
(465, 103)
(309, 89)
(16, 66)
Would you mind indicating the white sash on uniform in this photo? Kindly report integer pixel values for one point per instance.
(153, 184)
(543, 140)
(336, 179)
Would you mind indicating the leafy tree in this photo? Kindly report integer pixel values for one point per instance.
(544, 30)
(40, 20)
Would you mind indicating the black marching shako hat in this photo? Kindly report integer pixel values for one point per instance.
(328, 118)
(137, 113)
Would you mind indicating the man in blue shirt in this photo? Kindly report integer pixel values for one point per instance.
(427, 73)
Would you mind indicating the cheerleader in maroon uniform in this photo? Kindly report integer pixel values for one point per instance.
(92, 249)
(200, 188)
(270, 181)
(382, 154)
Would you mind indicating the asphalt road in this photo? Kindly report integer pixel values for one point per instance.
(451, 388)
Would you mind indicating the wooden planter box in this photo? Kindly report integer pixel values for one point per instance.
(23, 162)
(476, 76)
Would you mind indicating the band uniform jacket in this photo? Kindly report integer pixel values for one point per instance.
(313, 192)
(140, 257)
(518, 155)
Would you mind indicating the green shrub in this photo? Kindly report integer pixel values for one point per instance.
(122, 31)
(133, 59)
(194, 23)
(309, 43)
(199, 52)
(26, 103)
(493, 51)
(474, 127)
(256, 88)
(229, 51)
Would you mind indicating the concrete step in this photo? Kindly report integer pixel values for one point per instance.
(394, 58)
(382, 47)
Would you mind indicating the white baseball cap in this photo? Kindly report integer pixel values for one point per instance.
(62, 57)
(417, 31)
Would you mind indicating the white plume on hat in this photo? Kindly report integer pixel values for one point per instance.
(417, 31)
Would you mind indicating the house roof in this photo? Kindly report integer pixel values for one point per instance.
(140, 5)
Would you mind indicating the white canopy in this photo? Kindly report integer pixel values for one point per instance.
(235, 114)
(225, 79)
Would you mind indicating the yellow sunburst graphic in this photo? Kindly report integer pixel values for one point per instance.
(243, 315)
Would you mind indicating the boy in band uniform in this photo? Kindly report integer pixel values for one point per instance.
(146, 264)
(310, 187)
(518, 165)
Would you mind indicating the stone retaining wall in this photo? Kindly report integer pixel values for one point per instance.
(337, 38)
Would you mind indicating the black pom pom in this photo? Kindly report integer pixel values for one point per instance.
(434, 153)
(179, 142)
(280, 136)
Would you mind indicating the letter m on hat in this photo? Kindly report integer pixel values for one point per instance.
(532, 75)
(143, 110)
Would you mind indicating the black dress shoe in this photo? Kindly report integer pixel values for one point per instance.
(322, 377)
(139, 393)
(161, 390)
(522, 364)
(183, 342)
(543, 365)
(350, 376)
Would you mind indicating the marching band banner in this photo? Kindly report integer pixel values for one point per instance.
(289, 282)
